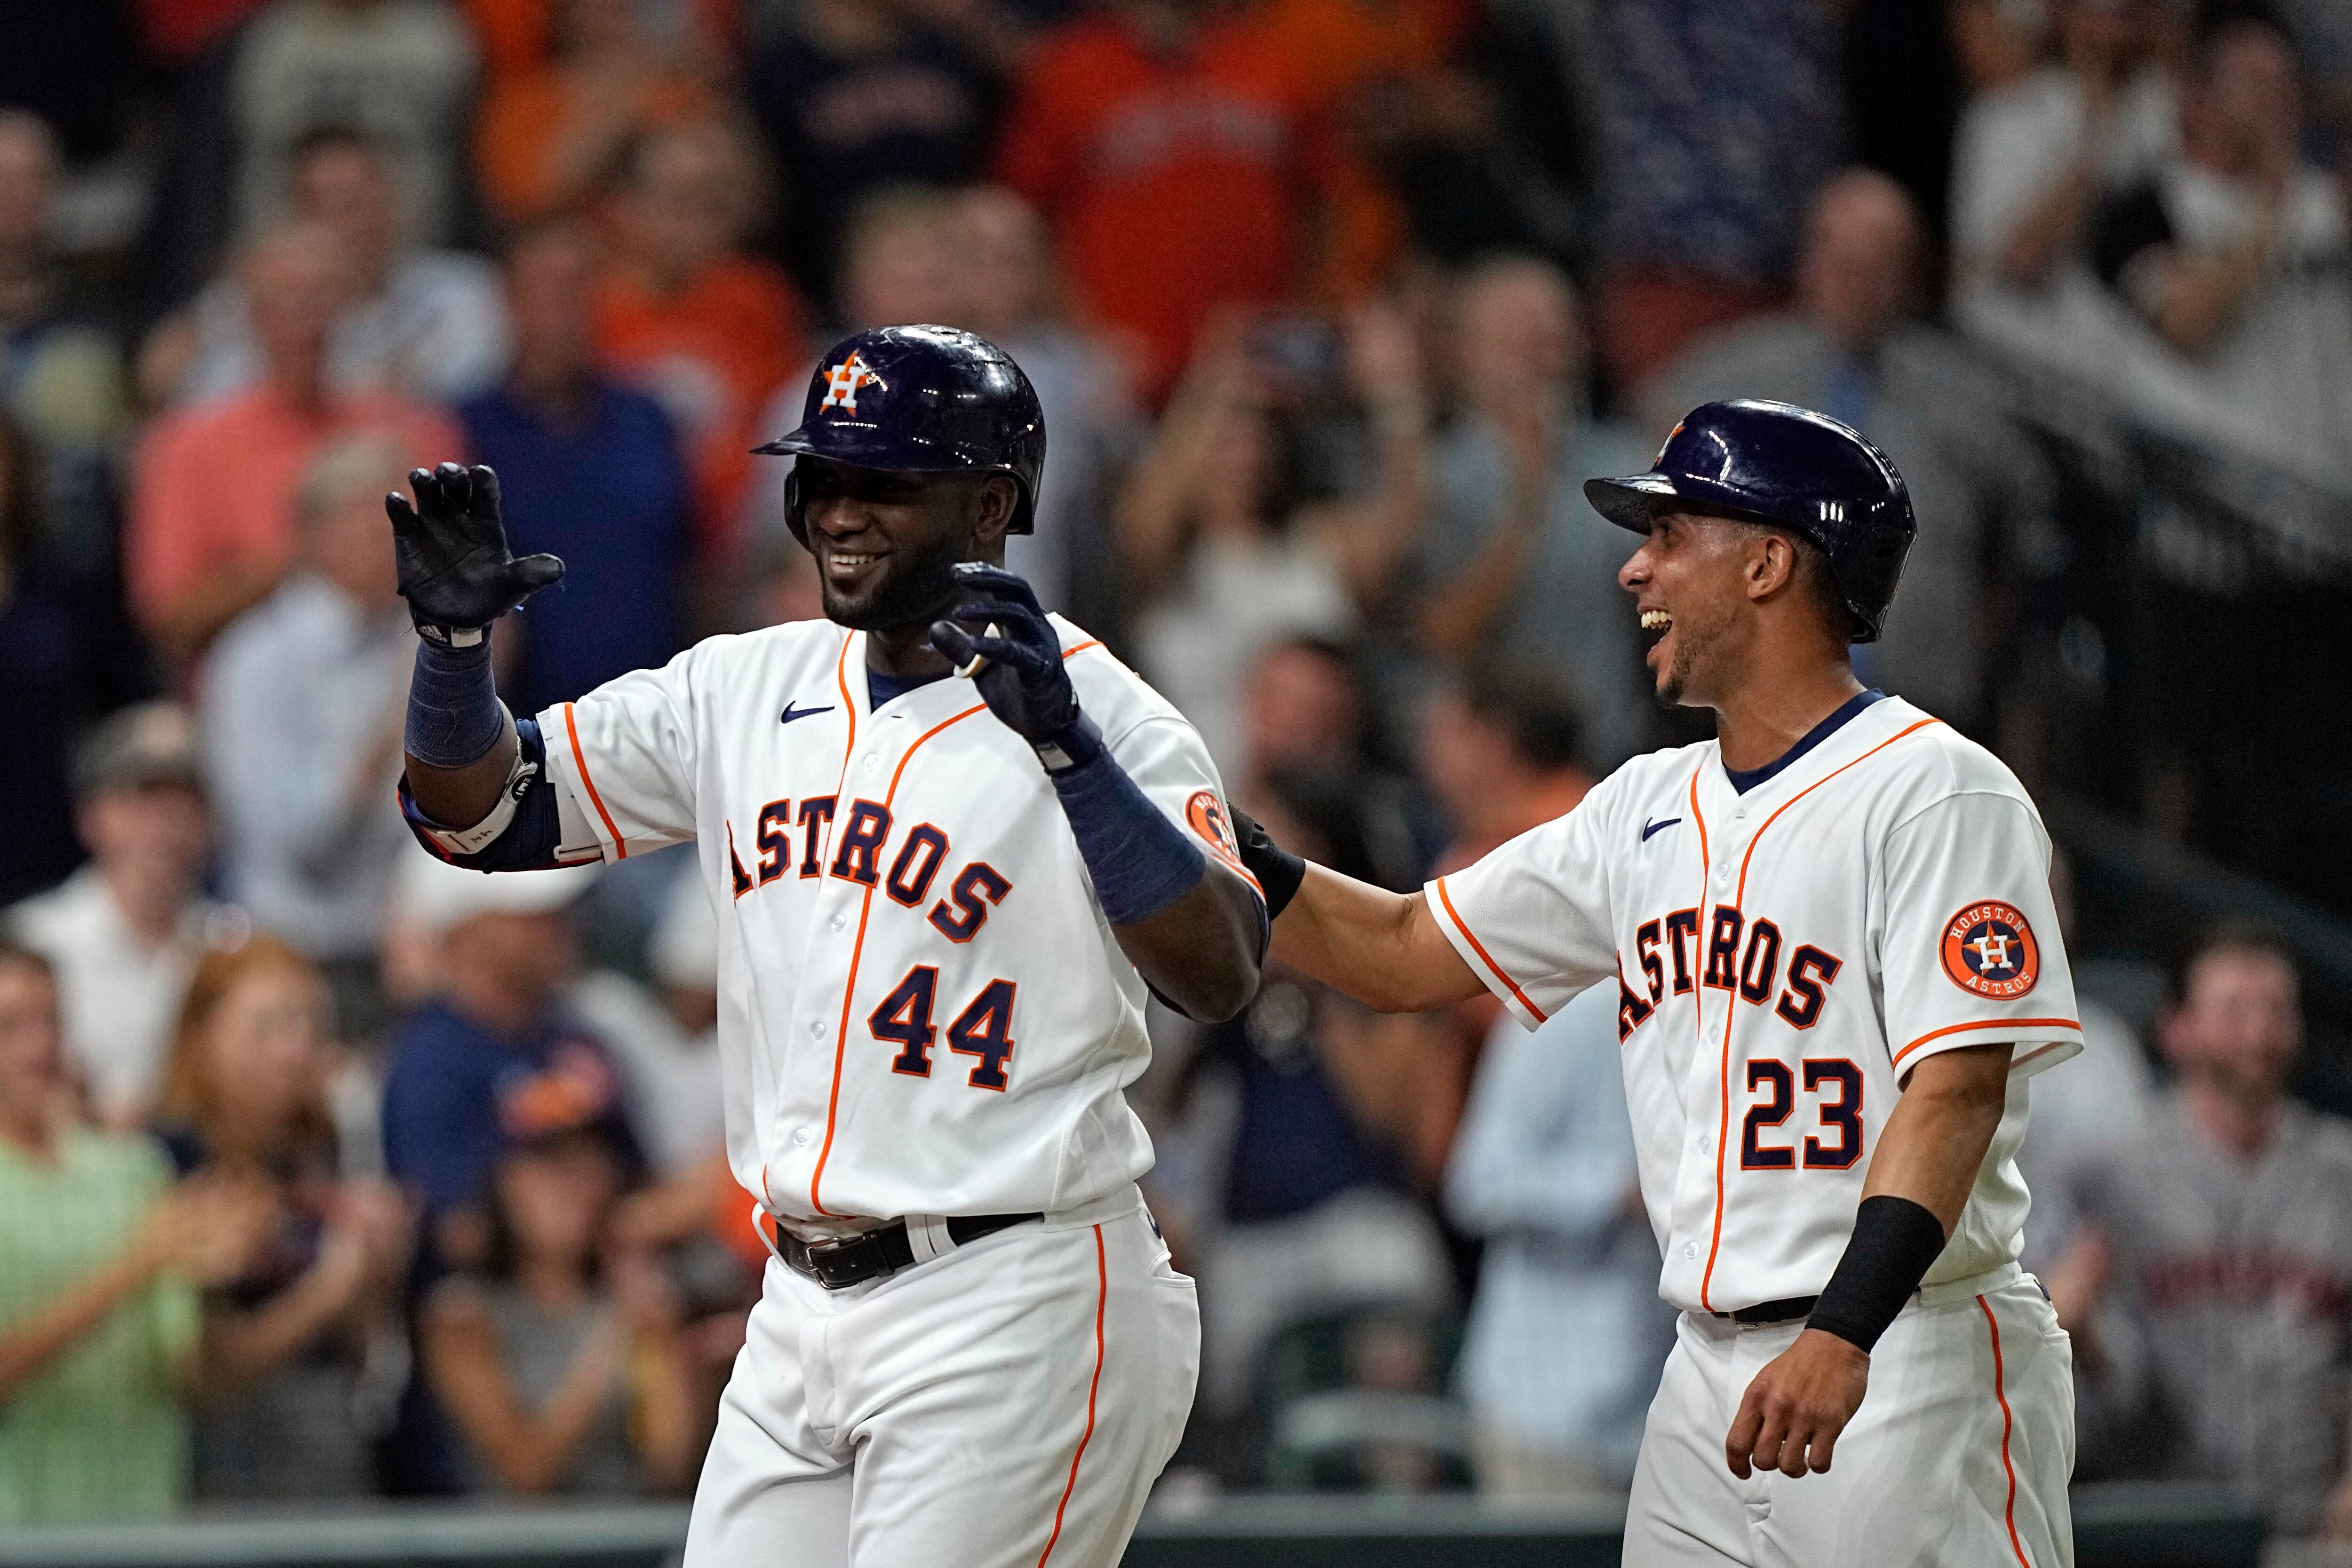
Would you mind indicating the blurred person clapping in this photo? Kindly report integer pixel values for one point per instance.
(558, 1360)
(302, 1357)
(1512, 566)
(101, 1258)
(2238, 252)
(2037, 157)
(550, 131)
(1223, 551)
(2035, 154)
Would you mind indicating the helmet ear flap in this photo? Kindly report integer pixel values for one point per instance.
(795, 505)
(1025, 510)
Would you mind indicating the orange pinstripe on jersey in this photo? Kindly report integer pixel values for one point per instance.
(1102, 1296)
(849, 708)
(1698, 1032)
(1731, 999)
(857, 950)
(1074, 652)
(1480, 948)
(620, 847)
(1985, 1023)
(2007, 1465)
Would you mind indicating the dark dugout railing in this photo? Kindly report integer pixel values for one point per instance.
(2177, 691)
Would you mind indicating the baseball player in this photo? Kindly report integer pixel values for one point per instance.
(1836, 962)
(949, 841)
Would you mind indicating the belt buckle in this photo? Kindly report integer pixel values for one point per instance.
(825, 1264)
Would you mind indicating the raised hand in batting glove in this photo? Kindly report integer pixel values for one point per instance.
(1017, 664)
(456, 571)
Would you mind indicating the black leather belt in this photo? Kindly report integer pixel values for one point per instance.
(880, 1252)
(1779, 1311)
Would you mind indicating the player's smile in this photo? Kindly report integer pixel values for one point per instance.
(848, 568)
(1658, 626)
(885, 543)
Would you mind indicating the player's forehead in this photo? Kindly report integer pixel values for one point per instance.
(1689, 520)
(824, 476)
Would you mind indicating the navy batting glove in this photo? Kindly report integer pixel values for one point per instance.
(1017, 664)
(450, 547)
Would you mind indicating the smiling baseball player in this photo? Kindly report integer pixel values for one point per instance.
(1836, 962)
(950, 840)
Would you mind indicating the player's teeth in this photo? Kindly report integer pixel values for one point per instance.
(1655, 619)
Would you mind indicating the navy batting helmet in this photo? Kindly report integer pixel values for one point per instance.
(1789, 467)
(919, 400)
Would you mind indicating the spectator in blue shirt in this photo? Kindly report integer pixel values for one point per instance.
(493, 1058)
(592, 471)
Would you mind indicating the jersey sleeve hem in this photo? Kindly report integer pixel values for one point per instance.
(2040, 1043)
(1482, 963)
(568, 766)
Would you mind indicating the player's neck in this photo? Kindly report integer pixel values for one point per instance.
(1771, 710)
(905, 651)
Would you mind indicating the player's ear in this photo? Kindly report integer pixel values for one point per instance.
(1773, 564)
(992, 505)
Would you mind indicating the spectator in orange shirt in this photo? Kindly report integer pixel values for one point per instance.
(551, 131)
(211, 526)
(707, 331)
(1373, 67)
(517, 37)
(1170, 143)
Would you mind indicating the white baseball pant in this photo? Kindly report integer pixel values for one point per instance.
(1005, 1405)
(1959, 1457)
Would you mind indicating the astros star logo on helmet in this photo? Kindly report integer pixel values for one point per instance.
(841, 381)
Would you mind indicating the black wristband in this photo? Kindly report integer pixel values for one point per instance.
(1896, 1242)
(1278, 871)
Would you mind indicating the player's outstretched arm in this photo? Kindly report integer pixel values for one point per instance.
(458, 577)
(1920, 1176)
(1383, 948)
(1190, 926)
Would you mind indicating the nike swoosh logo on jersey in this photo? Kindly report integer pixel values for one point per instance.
(803, 713)
(1649, 828)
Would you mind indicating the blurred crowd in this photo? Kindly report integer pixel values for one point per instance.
(327, 1171)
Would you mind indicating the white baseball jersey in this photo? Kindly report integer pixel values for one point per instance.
(922, 1009)
(1784, 956)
